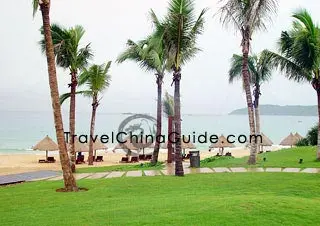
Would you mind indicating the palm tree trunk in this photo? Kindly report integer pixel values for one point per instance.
(246, 83)
(159, 120)
(93, 121)
(177, 123)
(257, 114)
(318, 96)
(72, 119)
(169, 146)
(69, 180)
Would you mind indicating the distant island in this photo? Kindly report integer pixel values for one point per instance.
(289, 110)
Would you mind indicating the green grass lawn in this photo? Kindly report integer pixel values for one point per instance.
(124, 167)
(283, 158)
(203, 199)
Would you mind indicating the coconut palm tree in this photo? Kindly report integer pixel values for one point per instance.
(150, 55)
(97, 79)
(248, 17)
(168, 110)
(70, 55)
(259, 71)
(299, 54)
(69, 180)
(182, 29)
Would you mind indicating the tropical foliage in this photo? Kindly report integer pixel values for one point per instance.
(299, 53)
(69, 180)
(97, 80)
(70, 55)
(247, 17)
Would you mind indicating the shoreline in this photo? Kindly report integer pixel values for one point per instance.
(21, 163)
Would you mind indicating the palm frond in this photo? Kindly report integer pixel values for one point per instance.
(168, 105)
(285, 65)
(182, 28)
(96, 78)
(64, 97)
(35, 6)
(252, 14)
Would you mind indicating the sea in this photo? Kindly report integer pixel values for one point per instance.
(20, 130)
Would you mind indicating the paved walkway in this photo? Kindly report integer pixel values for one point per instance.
(149, 173)
(30, 176)
(54, 176)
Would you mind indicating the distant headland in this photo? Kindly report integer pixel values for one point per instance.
(289, 110)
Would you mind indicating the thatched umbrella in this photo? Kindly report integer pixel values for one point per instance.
(265, 141)
(222, 143)
(184, 145)
(290, 140)
(126, 146)
(98, 145)
(298, 136)
(46, 144)
(79, 147)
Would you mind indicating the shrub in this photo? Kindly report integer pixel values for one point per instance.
(312, 136)
(303, 142)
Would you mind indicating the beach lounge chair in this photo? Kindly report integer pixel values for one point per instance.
(134, 159)
(124, 160)
(148, 157)
(142, 157)
(42, 161)
(51, 160)
(99, 158)
(80, 159)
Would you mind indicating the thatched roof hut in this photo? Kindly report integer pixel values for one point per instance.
(78, 146)
(98, 145)
(46, 144)
(222, 143)
(290, 140)
(265, 140)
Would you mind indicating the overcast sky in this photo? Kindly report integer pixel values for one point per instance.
(108, 24)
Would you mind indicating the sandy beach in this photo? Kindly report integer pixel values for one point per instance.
(19, 163)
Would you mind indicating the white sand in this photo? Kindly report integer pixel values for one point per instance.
(18, 163)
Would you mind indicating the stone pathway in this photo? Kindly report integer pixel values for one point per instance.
(30, 176)
(54, 176)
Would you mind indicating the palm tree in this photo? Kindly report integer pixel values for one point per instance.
(299, 54)
(70, 55)
(97, 79)
(150, 55)
(260, 71)
(247, 16)
(182, 29)
(168, 110)
(69, 180)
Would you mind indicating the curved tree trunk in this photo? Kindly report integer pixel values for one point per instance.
(246, 83)
(318, 151)
(177, 123)
(69, 180)
(72, 119)
(93, 121)
(159, 120)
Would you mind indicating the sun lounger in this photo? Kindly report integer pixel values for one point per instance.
(99, 158)
(51, 160)
(148, 157)
(124, 160)
(80, 159)
(142, 157)
(134, 159)
(42, 161)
